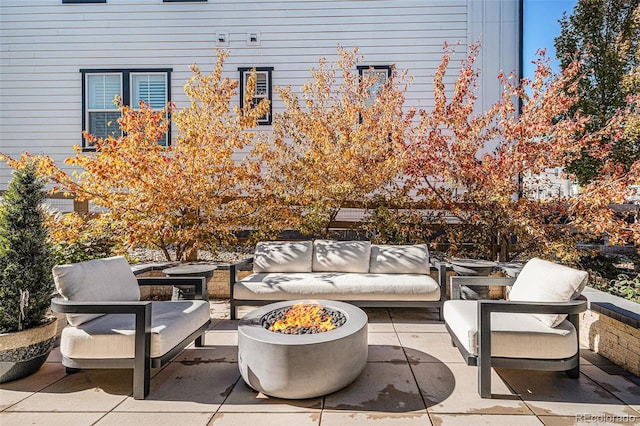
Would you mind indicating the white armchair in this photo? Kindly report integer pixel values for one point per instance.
(109, 327)
(536, 329)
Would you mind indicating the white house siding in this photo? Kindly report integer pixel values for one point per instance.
(45, 43)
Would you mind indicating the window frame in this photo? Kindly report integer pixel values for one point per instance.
(126, 75)
(83, 1)
(243, 82)
(362, 70)
(87, 110)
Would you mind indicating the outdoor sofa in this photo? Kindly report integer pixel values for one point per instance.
(355, 272)
(110, 327)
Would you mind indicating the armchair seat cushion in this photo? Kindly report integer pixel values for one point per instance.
(517, 335)
(337, 286)
(112, 335)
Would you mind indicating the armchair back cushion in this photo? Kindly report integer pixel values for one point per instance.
(282, 256)
(543, 281)
(399, 259)
(97, 280)
(341, 256)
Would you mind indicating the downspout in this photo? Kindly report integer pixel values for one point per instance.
(520, 71)
(520, 46)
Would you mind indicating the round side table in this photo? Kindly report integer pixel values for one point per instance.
(181, 292)
(473, 267)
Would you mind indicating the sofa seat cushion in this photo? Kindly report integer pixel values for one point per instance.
(112, 335)
(337, 286)
(341, 256)
(513, 335)
(399, 259)
(283, 256)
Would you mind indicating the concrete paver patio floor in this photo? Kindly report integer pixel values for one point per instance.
(414, 376)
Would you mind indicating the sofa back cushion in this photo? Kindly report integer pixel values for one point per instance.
(543, 281)
(283, 256)
(97, 280)
(341, 256)
(399, 259)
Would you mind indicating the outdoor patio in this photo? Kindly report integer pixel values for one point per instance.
(414, 376)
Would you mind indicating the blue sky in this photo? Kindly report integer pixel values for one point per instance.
(541, 27)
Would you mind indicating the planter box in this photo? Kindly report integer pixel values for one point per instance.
(23, 352)
(611, 328)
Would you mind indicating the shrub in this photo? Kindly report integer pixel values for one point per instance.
(622, 286)
(603, 264)
(393, 221)
(26, 282)
(336, 144)
(76, 238)
(607, 276)
(626, 287)
(187, 196)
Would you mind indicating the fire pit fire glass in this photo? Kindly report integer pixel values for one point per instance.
(303, 319)
(302, 358)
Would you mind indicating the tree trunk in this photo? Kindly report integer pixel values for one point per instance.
(503, 255)
(191, 255)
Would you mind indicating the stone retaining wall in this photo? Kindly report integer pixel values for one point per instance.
(611, 328)
(217, 286)
(614, 340)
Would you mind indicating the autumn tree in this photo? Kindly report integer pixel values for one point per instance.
(338, 144)
(606, 35)
(193, 194)
(467, 167)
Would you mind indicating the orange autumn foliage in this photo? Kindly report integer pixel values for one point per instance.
(469, 168)
(337, 145)
(177, 198)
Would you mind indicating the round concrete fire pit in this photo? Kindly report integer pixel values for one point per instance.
(297, 366)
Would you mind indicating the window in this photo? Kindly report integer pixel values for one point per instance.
(150, 88)
(101, 112)
(99, 87)
(380, 73)
(263, 89)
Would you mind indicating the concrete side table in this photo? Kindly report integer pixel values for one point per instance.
(189, 270)
(511, 269)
